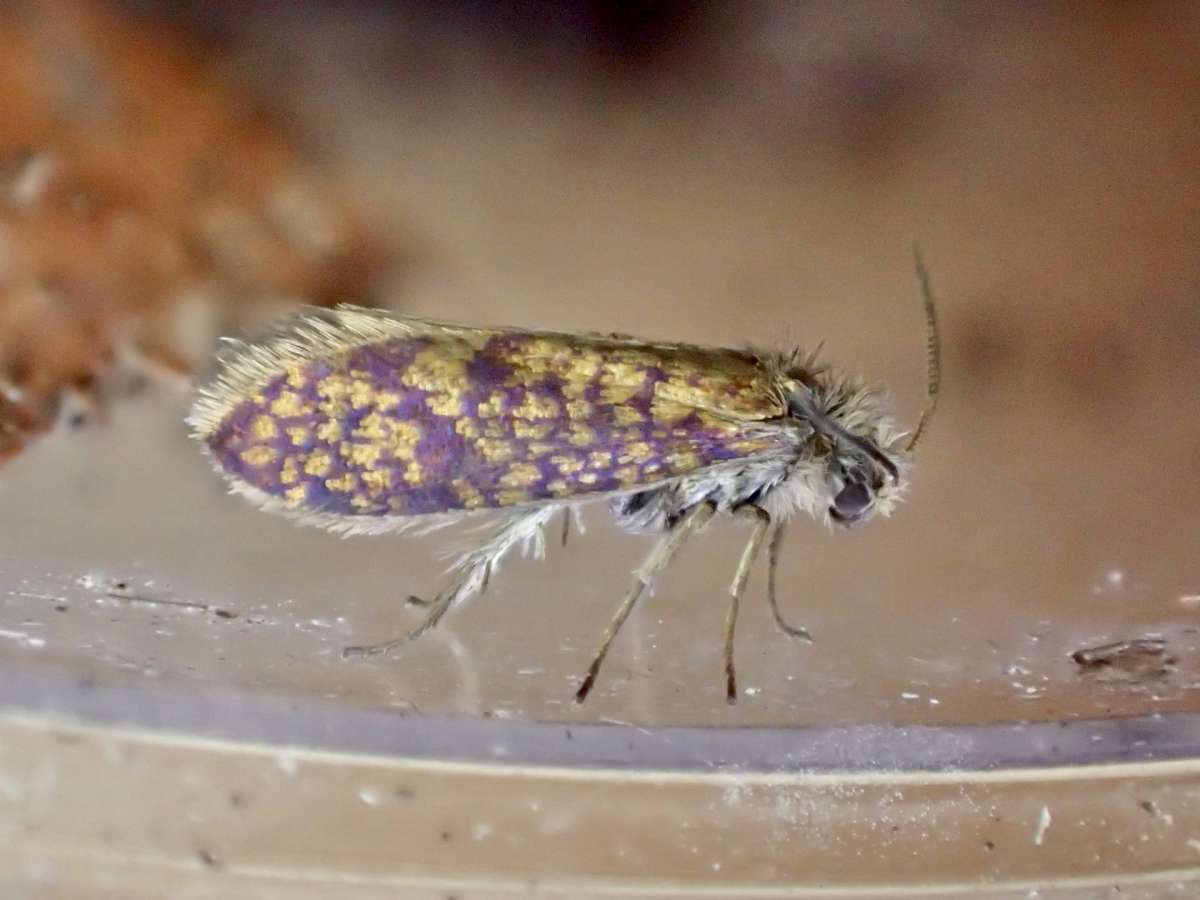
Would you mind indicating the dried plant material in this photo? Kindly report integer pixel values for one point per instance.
(143, 198)
(1137, 661)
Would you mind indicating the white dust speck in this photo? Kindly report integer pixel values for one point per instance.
(1190, 601)
(909, 695)
(370, 796)
(734, 794)
(1042, 825)
(481, 831)
(1194, 844)
(287, 765)
(23, 637)
(934, 701)
(752, 691)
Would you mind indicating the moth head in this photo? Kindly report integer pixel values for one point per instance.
(860, 485)
(852, 451)
(866, 460)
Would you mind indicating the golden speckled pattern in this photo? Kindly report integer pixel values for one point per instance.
(463, 420)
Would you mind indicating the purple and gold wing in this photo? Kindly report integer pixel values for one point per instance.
(354, 413)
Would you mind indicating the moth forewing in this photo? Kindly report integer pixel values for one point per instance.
(361, 421)
(358, 415)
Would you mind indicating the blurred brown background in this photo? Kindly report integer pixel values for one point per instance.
(719, 173)
(707, 172)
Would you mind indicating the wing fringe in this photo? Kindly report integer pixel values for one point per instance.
(310, 333)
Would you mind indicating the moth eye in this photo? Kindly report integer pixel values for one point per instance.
(851, 502)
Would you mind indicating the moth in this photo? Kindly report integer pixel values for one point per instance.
(365, 422)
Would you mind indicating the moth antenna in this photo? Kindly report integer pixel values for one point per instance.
(933, 351)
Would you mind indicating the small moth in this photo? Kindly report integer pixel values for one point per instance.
(365, 422)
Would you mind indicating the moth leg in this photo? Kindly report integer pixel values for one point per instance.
(762, 522)
(470, 575)
(660, 557)
(772, 562)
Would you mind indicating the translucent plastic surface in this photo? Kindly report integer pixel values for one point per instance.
(1004, 681)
